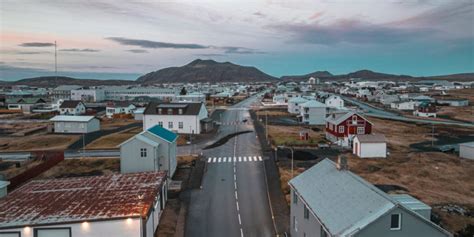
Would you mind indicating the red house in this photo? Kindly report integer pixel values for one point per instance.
(341, 128)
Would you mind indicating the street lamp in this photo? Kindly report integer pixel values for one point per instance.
(292, 155)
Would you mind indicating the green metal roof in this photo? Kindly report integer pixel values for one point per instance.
(163, 133)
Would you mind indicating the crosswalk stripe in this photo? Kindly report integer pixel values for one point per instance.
(209, 160)
(259, 158)
(245, 159)
(255, 158)
(224, 159)
(219, 160)
(214, 160)
(240, 159)
(227, 159)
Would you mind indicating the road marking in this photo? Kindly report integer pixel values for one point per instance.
(259, 158)
(235, 177)
(235, 185)
(240, 159)
(214, 161)
(209, 160)
(240, 223)
(241, 233)
(245, 159)
(219, 160)
(236, 198)
(255, 158)
(235, 158)
(237, 206)
(234, 169)
(224, 159)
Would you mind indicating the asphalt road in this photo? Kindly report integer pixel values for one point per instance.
(233, 200)
(380, 113)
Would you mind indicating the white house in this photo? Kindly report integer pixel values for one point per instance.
(150, 150)
(313, 113)
(466, 150)
(294, 104)
(328, 200)
(279, 99)
(407, 105)
(118, 205)
(75, 124)
(119, 107)
(72, 107)
(183, 118)
(370, 146)
(88, 95)
(334, 101)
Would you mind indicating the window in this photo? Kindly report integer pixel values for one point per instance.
(10, 234)
(360, 130)
(160, 111)
(160, 123)
(180, 111)
(170, 111)
(180, 125)
(170, 124)
(396, 221)
(341, 129)
(52, 232)
(306, 212)
(295, 198)
(142, 152)
(323, 233)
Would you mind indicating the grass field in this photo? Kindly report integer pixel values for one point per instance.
(37, 142)
(83, 167)
(113, 140)
(289, 135)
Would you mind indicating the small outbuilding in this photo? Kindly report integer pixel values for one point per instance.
(370, 146)
(75, 124)
(466, 150)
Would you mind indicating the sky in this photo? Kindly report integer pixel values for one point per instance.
(112, 39)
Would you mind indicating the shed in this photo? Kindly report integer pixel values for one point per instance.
(75, 124)
(370, 146)
(466, 150)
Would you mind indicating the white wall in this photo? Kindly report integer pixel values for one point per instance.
(129, 227)
(466, 152)
(190, 122)
(370, 150)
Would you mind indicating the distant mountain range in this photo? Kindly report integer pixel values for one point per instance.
(206, 71)
(212, 71)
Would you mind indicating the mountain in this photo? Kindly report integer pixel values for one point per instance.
(205, 71)
(459, 77)
(368, 75)
(317, 74)
(53, 81)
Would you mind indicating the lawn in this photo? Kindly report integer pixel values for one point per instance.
(83, 167)
(111, 141)
(37, 142)
(289, 135)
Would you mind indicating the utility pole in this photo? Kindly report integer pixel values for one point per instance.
(266, 124)
(55, 60)
(432, 134)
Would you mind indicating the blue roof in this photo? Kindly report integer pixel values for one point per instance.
(163, 133)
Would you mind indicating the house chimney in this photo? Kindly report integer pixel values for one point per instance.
(342, 163)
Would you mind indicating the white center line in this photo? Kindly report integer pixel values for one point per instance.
(235, 185)
(240, 222)
(237, 206)
(236, 198)
(235, 177)
(241, 233)
(235, 158)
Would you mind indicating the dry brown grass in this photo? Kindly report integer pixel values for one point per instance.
(12, 171)
(463, 94)
(460, 113)
(83, 167)
(38, 142)
(185, 160)
(113, 140)
(289, 135)
(285, 177)
(107, 124)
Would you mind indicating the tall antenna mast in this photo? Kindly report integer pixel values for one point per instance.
(55, 61)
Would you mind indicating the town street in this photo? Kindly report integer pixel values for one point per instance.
(233, 200)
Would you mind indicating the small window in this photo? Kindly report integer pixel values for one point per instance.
(160, 111)
(160, 123)
(360, 130)
(180, 111)
(295, 198)
(170, 124)
(396, 221)
(180, 125)
(341, 129)
(170, 111)
(142, 152)
(306, 212)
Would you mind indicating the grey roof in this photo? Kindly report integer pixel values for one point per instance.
(67, 87)
(371, 138)
(313, 104)
(297, 100)
(340, 199)
(410, 202)
(69, 118)
(467, 144)
(343, 202)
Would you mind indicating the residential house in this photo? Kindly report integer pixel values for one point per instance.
(425, 109)
(119, 205)
(138, 113)
(63, 92)
(328, 200)
(407, 105)
(279, 100)
(75, 124)
(119, 107)
(453, 102)
(151, 150)
(341, 128)
(26, 105)
(183, 118)
(334, 101)
(88, 95)
(294, 104)
(370, 146)
(313, 113)
(191, 97)
(466, 150)
(72, 107)
(388, 99)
